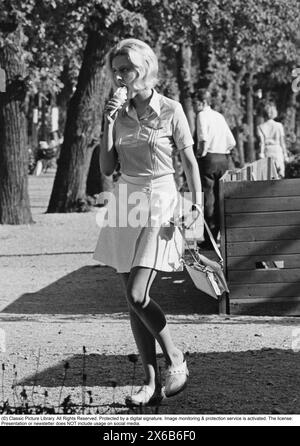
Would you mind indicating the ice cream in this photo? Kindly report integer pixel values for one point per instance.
(121, 95)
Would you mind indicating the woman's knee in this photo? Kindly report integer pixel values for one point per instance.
(138, 286)
(137, 296)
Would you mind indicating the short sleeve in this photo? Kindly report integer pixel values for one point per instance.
(181, 130)
(229, 137)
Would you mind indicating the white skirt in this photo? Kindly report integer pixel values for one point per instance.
(135, 229)
(275, 152)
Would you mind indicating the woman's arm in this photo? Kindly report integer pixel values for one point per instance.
(192, 174)
(108, 154)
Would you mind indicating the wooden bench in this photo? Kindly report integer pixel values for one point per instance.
(260, 241)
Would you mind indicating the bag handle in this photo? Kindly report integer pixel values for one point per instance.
(213, 242)
(187, 245)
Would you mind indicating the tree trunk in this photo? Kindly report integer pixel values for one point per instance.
(96, 181)
(296, 147)
(289, 122)
(14, 198)
(184, 64)
(239, 117)
(43, 130)
(83, 127)
(64, 96)
(250, 150)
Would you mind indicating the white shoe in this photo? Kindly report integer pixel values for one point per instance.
(176, 379)
(145, 396)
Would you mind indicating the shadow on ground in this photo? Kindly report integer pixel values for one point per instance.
(98, 290)
(252, 382)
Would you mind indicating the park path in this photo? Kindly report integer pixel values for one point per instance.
(58, 305)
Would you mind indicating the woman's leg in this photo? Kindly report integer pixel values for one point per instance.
(145, 342)
(150, 314)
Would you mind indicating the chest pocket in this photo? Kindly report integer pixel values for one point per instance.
(158, 130)
(126, 140)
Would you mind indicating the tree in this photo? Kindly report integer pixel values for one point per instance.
(107, 24)
(14, 199)
(229, 45)
(31, 55)
(176, 26)
(254, 38)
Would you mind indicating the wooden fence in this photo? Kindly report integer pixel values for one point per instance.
(260, 241)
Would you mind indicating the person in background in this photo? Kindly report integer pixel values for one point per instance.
(214, 144)
(272, 139)
(143, 135)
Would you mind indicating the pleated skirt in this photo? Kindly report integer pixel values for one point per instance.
(135, 229)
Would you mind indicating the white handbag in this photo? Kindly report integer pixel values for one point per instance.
(207, 275)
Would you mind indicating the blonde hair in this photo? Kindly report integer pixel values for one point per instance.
(142, 58)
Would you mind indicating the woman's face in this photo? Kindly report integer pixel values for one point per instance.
(124, 72)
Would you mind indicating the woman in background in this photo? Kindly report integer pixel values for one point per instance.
(272, 140)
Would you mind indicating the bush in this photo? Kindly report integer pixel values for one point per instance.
(292, 169)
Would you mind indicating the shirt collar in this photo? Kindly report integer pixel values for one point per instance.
(154, 104)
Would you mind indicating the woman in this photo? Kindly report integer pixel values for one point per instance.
(143, 135)
(272, 140)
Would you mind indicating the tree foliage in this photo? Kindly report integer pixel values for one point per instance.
(233, 47)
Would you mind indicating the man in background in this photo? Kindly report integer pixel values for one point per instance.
(214, 144)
